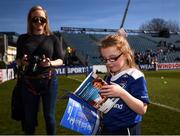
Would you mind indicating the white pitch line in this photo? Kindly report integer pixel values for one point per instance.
(158, 104)
(75, 79)
(166, 106)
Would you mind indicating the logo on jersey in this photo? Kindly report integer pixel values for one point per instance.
(118, 106)
(123, 85)
(144, 96)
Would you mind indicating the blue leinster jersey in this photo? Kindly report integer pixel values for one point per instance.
(121, 116)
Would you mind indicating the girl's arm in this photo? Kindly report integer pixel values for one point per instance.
(115, 90)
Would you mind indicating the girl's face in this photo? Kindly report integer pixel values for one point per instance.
(39, 21)
(114, 59)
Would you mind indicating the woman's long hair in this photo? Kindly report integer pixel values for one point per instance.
(47, 30)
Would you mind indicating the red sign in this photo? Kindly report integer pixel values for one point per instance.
(169, 66)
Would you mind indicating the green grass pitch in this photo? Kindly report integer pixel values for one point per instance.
(163, 87)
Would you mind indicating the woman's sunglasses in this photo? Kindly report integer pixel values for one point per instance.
(40, 20)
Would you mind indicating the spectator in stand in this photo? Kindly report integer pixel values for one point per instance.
(126, 82)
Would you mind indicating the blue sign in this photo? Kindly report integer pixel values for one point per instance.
(73, 70)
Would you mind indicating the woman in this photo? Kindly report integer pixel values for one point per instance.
(38, 51)
(126, 82)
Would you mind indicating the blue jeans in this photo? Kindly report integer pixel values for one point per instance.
(32, 91)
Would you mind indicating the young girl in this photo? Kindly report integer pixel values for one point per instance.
(126, 82)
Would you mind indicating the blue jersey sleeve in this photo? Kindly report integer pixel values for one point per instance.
(139, 90)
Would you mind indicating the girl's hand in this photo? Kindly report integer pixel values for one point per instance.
(112, 90)
(115, 90)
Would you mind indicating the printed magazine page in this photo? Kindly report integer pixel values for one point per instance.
(80, 116)
(89, 90)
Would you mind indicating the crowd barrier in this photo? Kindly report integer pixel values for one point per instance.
(8, 74)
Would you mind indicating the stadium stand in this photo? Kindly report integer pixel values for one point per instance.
(149, 47)
(84, 42)
(160, 48)
(87, 49)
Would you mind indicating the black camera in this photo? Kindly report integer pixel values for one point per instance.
(35, 62)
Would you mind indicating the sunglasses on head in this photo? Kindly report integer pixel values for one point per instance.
(40, 20)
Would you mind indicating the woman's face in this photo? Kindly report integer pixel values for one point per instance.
(114, 59)
(39, 21)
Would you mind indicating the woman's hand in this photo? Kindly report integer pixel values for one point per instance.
(45, 62)
(24, 60)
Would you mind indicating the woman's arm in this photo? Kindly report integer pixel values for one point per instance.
(57, 62)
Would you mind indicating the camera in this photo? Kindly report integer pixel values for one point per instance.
(35, 62)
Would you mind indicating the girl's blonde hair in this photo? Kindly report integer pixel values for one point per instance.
(47, 30)
(121, 43)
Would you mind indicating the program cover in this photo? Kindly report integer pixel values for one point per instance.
(89, 90)
(85, 106)
(80, 116)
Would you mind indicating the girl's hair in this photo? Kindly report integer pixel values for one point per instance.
(47, 30)
(121, 43)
